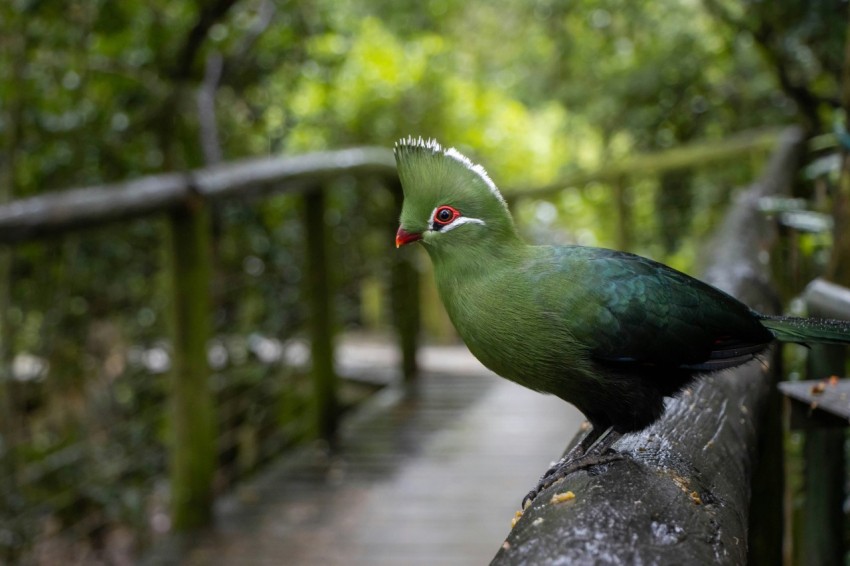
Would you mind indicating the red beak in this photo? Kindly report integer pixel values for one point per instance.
(403, 237)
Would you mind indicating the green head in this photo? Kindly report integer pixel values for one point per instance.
(449, 202)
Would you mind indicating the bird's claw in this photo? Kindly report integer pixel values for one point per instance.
(529, 497)
(564, 468)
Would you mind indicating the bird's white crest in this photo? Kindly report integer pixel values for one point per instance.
(452, 153)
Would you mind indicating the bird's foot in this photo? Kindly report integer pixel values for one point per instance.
(564, 468)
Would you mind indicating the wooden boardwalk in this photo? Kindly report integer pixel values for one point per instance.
(430, 480)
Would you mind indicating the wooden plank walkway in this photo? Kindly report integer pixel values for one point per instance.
(430, 480)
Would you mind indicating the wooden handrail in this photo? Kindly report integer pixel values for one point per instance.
(72, 209)
(696, 154)
(184, 197)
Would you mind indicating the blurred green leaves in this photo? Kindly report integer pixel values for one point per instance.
(93, 91)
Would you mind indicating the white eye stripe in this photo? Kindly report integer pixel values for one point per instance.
(460, 220)
(431, 218)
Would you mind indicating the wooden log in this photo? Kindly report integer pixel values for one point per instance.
(325, 402)
(72, 209)
(192, 451)
(682, 493)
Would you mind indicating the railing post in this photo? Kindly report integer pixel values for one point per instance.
(325, 403)
(8, 410)
(822, 535)
(192, 448)
(406, 313)
(822, 531)
(623, 206)
(406, 304)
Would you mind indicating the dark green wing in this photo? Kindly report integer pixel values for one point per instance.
(629, 310)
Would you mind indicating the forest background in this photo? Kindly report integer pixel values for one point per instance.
(94, 92)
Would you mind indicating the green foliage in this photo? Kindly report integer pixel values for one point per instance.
(93, 91)
(802, 42)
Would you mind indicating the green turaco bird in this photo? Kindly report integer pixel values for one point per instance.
(610, 332)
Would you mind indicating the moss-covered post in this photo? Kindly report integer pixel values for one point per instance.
(406, 313)
(822, 529)
(6, 406)
(325, 402)
(623, 207)
(405, 300)
(192, 443)
(15, 60)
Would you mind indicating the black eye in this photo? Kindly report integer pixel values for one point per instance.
(445, 214)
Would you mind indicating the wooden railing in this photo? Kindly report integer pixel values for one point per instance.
(184, 198)
(820, 410)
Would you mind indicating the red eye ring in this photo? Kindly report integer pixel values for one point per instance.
(445, 215)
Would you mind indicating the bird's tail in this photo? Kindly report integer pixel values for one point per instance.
(808, 330)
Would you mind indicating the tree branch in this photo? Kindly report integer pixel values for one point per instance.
(209, 15)
(205, 99)
(806, 100)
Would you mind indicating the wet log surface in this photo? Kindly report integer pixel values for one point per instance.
(681, 494)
